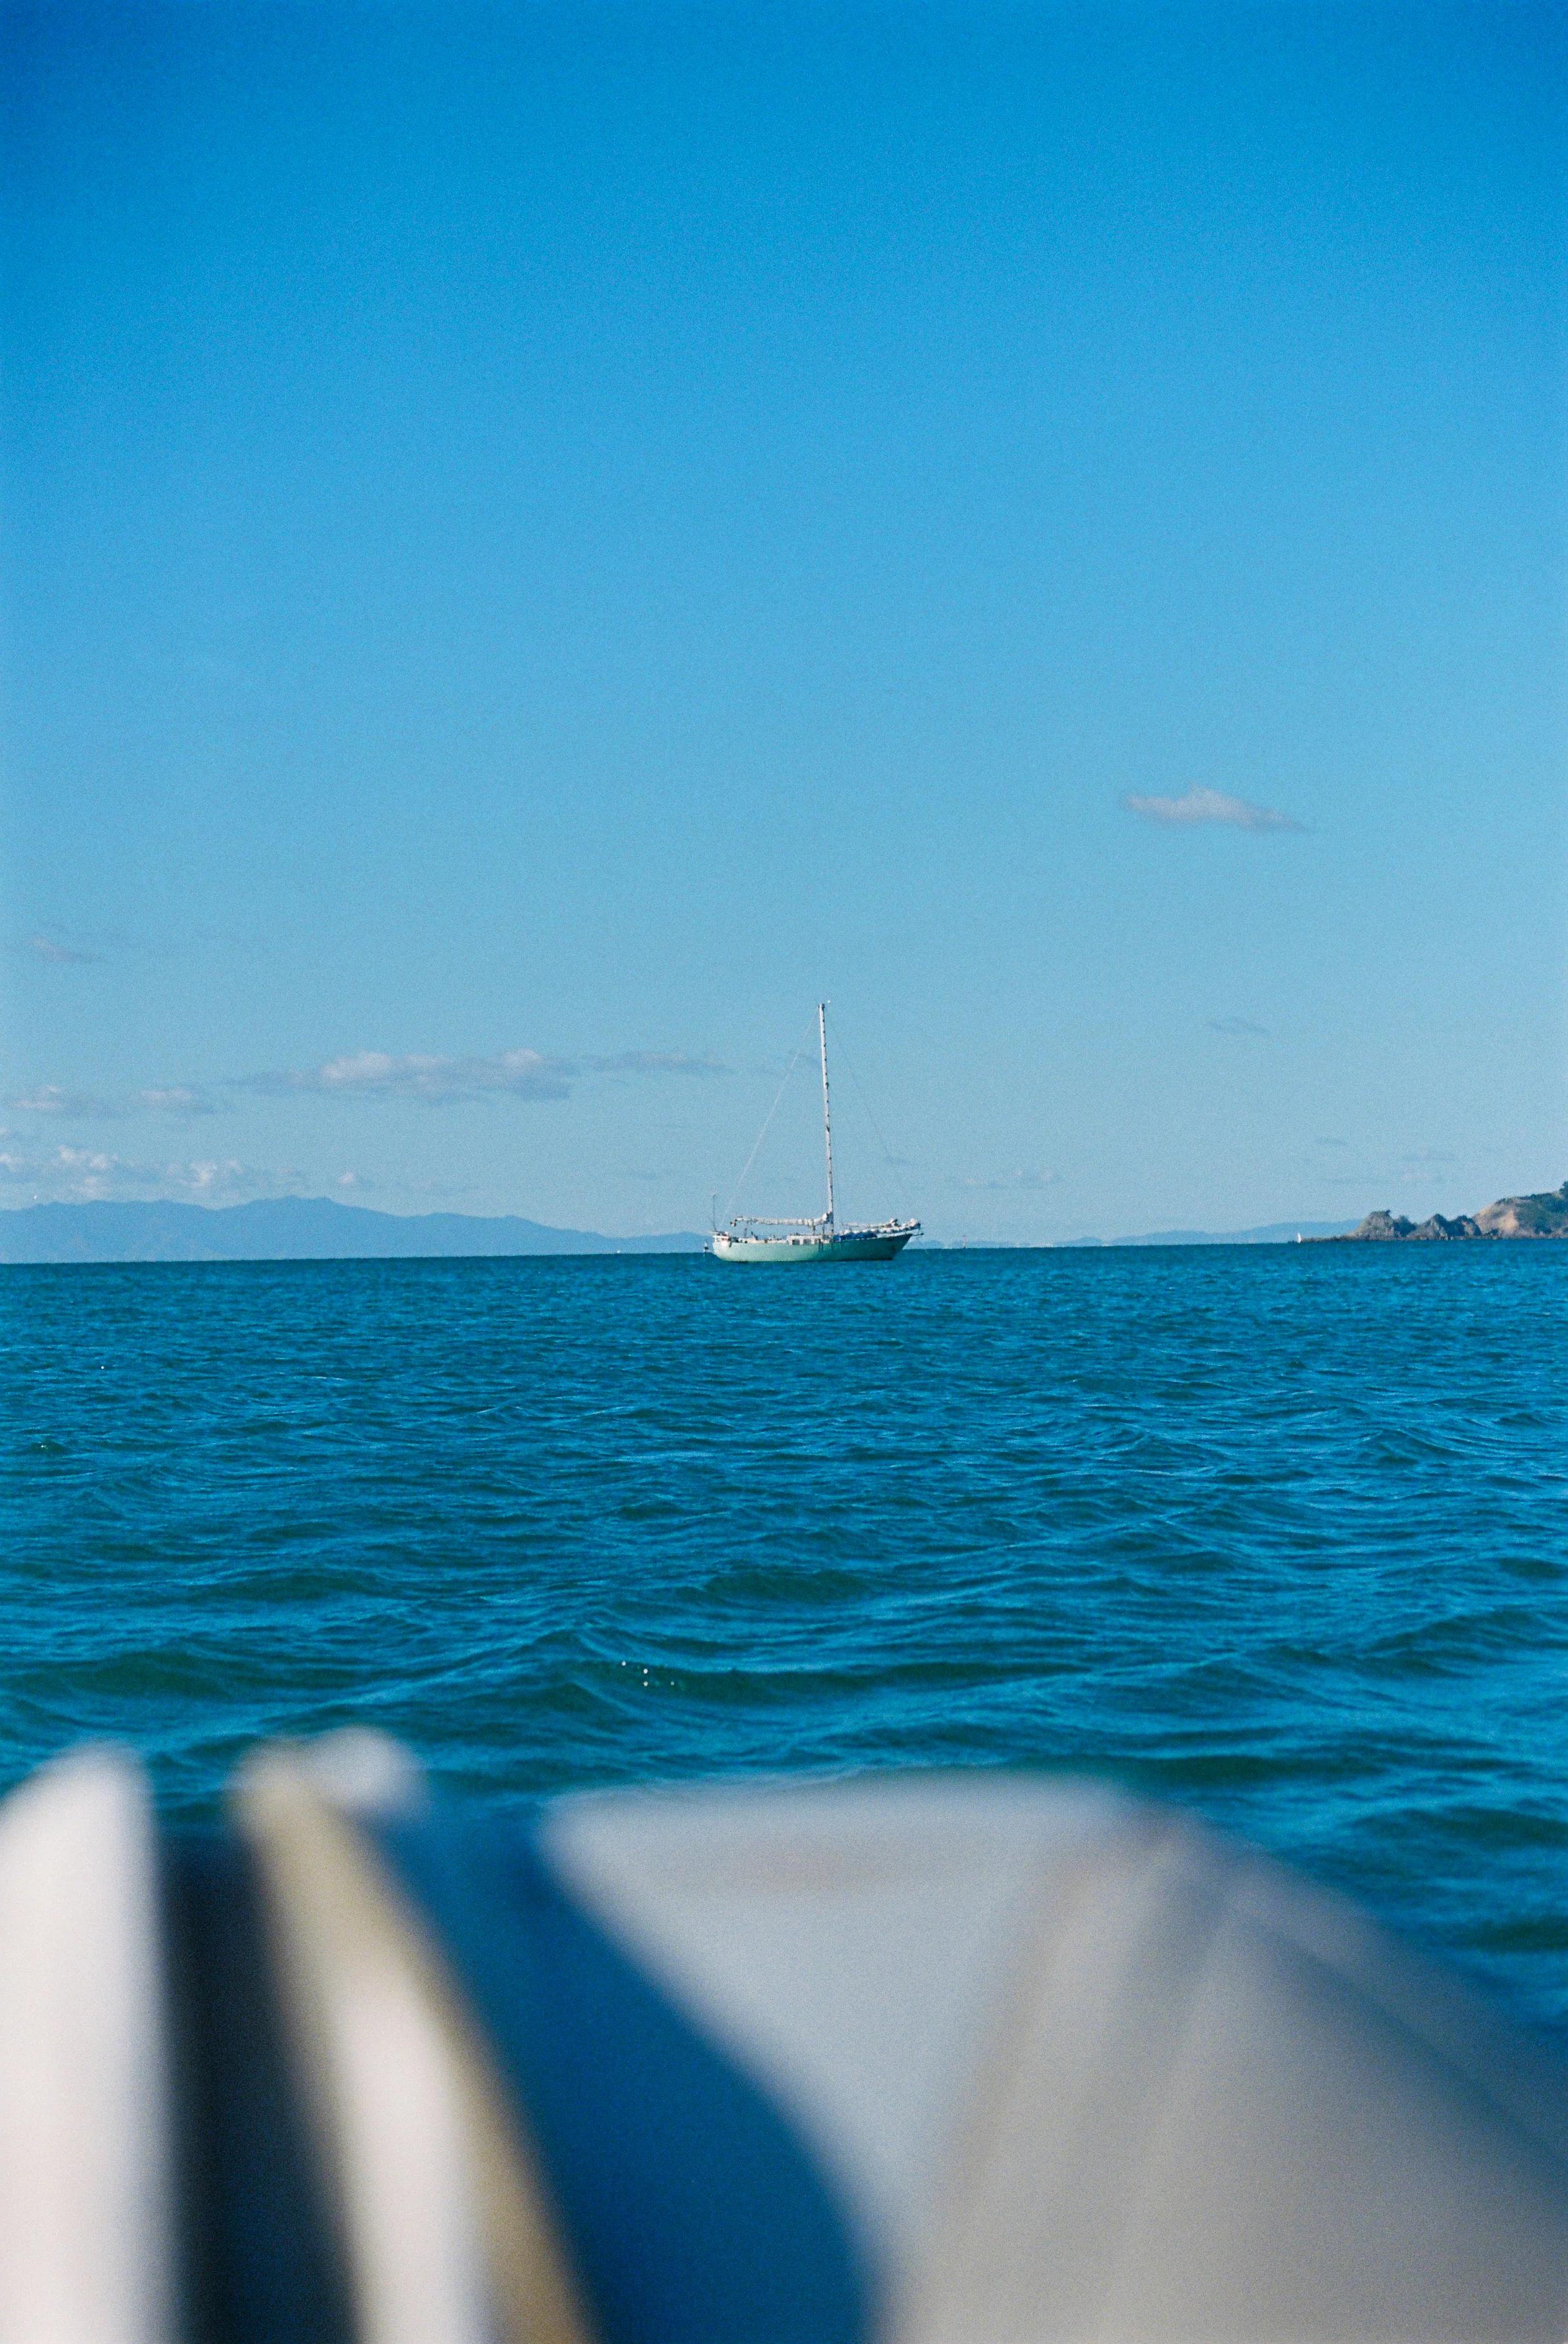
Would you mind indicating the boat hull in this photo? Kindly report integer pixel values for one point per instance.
(870, 1244)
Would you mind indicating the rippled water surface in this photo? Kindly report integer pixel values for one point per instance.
(1279, 1531)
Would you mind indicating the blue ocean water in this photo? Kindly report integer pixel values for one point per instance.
(1279, 1532)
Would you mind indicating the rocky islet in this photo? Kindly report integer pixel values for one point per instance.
(1544, 1214)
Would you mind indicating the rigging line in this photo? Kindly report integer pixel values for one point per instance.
(740, 1184)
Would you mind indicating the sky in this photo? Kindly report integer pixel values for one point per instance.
(538, 541)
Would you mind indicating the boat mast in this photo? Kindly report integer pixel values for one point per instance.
(826, 1112)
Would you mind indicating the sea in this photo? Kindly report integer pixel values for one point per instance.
(1278, 1533)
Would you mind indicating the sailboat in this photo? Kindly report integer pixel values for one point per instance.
(823, 1237)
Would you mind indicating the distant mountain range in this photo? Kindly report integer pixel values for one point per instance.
(290, 1229)
(315, 1229)
(1542, 1214)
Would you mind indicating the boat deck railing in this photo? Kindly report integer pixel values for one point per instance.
(815, 1228)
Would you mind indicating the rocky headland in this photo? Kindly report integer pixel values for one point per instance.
(1542, 1216)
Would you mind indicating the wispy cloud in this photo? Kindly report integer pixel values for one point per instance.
(437, 1081)
(1011, 1181)
(180, 1099)
(1236, 1026)
(432, 1080)
(1211, 806)
(91, 1175)
(652, 1061)
(1410, 1171)
(445, 1081)
(50, 1099)
(50, 948)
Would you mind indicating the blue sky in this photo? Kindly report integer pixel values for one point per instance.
(540, 540)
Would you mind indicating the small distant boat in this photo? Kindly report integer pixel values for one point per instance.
(823, 1237)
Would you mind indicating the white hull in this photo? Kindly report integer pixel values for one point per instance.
(843, 1244)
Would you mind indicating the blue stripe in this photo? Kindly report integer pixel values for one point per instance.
(692, 2211)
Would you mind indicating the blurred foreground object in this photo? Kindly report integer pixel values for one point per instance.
(935, 2060)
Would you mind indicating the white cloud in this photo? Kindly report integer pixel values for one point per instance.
(90, 1175)
(1211, 806)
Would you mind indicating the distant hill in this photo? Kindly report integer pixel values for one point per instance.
(1542, 1214)
(288, 1229)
